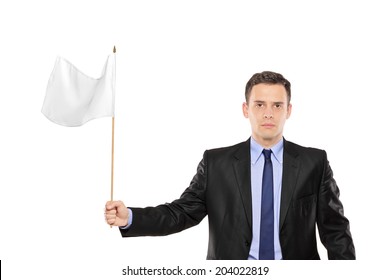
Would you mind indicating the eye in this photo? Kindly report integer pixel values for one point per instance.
(278, 106)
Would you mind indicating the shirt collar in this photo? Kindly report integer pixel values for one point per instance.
(257, 150)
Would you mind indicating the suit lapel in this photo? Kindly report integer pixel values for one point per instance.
(241, 167)
(291, 167)
(242, 174)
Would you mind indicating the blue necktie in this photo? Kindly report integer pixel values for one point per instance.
(266, 250)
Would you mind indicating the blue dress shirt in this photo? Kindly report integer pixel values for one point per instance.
(257, 166)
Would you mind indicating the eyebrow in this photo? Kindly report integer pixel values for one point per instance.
(276, 102)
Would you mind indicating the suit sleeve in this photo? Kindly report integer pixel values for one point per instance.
(332, 224)
(185, 212)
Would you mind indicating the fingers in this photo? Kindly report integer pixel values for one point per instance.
(111, 212)
(110, 218)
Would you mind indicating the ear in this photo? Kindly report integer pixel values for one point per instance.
(245, 109)
(289, 108)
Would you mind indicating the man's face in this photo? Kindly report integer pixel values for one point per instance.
(267, 111)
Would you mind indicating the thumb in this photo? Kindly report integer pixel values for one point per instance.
(110, 205)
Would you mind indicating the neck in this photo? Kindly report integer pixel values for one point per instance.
(267, 143)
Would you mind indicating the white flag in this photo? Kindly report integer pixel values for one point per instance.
(73, 98)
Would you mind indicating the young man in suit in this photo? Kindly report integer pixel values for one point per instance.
(264, 197)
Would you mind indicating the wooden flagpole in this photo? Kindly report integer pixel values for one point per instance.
(112, 151)
(112, 159)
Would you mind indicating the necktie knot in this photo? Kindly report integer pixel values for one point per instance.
(267, 154)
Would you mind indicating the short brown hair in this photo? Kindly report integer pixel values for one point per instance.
(267, 77)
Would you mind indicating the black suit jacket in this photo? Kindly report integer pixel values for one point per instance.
(221, 189)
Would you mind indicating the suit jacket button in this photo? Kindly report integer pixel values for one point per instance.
(247, 243)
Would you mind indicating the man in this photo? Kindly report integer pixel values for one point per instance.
(263, 197)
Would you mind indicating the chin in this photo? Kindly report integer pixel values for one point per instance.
(269, 137)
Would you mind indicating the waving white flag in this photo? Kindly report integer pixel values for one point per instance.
(73, 98)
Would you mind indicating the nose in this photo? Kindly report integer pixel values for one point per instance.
(268, 114)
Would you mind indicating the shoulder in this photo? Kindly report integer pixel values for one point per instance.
(295, 150)
(227, 148)
(297, 147)
(234, 152)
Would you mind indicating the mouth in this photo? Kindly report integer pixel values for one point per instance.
(268, 125)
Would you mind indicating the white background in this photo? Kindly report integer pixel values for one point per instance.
(181, 72)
